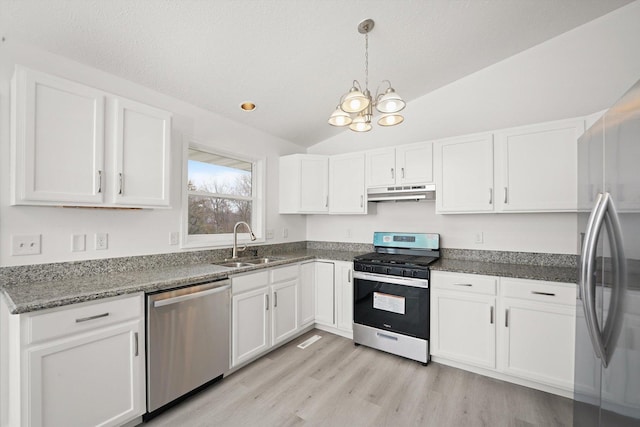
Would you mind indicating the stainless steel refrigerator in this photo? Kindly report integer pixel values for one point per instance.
(607, 356)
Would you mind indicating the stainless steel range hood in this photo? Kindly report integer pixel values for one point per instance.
(398, 193)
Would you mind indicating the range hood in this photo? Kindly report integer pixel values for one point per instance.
(398, 193)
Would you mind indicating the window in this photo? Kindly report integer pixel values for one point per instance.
(221, 190)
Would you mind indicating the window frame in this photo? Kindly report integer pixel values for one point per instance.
(258, 205)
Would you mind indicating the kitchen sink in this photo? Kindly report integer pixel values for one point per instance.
(236, 264)
(248, 262)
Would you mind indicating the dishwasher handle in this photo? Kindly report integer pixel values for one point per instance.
(181, 298)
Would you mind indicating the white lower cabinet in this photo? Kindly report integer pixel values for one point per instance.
(79, 365)
(334, 296)
(538, 331)
(307, 294)
(264, 311)
(325, 293)
(519, 329)
(463, 318)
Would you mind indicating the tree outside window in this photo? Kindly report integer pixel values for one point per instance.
(221, 192)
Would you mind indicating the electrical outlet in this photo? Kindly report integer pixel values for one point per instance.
(25, 244)
(174, 236)
(270, 234)
(479, 237)
(78, 243)
(348, 233)
(285, 233)
(102, 242)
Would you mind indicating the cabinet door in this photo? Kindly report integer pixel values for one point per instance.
(325, 293)
(306, 294)
(536, 167)
(250, 325)
(344, 295)
(346, 184)
(414, 163)
(538, 341)
(381, 167)
(92, 379)
(464, 175)
(285, 310)
(463, 328)
(143, 141)
(314, 184)
(58, 140)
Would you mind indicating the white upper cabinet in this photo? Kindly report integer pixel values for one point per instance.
(61, 131)
(464, 174)
(537, 167)
(346, 184)
(57, 140)
(142, 154)
(402, 165)
(304, 184)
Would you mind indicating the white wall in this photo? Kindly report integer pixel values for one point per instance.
(577, 73)
(131, 232)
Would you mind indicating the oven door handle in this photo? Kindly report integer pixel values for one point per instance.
(382, 278)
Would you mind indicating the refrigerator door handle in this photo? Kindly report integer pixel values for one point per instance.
(587, 268)
(612, 325)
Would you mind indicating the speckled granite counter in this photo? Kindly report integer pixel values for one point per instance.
(38, 287)
(24, 297)
(521, 271)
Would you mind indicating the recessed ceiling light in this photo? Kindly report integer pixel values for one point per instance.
(248, 106)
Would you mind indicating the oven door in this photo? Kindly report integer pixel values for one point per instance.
(392, 303)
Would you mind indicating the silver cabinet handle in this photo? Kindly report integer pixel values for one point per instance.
(463, 284)
(491, 196)
(267, 306)
(181, 298)
(548, 294)
(361, 201)
(135, 343)
(275, 299)
(121, 179)
(99, 181)
(506, 318)
(491, 315)
(402, 170)
(393, 174)
(349, 276)
(326, 203)
(86, 319)
(506, 195)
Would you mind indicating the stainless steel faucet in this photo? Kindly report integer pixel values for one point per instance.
(234, 254)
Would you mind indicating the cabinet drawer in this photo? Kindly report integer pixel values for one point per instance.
(538, 290)
(284, 273)
(81, 317)
(474, 283)
(248, 282)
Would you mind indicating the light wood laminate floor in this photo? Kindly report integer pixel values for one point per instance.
(334, 383)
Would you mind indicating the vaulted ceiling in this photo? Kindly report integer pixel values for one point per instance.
(293, 58)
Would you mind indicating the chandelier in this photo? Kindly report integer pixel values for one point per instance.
(355, 108)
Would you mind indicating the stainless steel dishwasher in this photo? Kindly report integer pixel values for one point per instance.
(187, 341)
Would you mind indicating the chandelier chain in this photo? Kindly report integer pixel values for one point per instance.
(366, 61)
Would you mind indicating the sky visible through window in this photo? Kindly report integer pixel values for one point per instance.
(202, 174)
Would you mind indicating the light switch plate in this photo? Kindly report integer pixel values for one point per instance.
(174, 237)
(78, 243)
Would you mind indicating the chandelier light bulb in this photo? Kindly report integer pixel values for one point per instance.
(340, 118)
(355, 101)
(360, 124)
(390, 120)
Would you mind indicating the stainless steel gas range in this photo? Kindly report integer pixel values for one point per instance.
(391, 294)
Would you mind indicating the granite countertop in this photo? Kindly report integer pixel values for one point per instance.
(39, 295)
(24, 295)
(521, 271)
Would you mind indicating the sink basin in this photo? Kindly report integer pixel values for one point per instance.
(265, 260)
(236, 264)
(248, 262)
